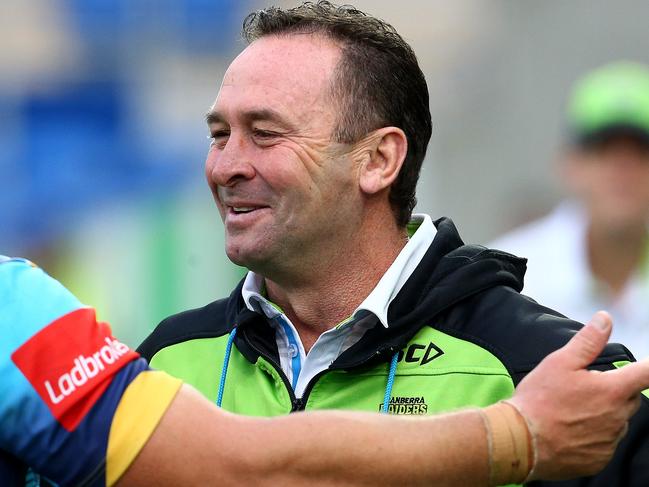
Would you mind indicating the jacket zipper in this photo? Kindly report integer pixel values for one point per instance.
(297, 403)
(301, 402)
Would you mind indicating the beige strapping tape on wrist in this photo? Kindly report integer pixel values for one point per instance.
(511, 450)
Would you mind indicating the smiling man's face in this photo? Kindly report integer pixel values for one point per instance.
(283, 188)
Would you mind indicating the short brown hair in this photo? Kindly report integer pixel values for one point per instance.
(377, 83)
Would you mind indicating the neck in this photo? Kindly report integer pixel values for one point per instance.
(318, 300)
(615, 255)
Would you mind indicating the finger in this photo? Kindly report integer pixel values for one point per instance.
(588, 343)
(633, 378)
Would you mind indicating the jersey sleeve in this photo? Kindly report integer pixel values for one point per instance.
(76, 405)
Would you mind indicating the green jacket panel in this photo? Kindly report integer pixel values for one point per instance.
(251, 389)
(197, 362)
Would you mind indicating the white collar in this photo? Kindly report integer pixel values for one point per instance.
(378, 301)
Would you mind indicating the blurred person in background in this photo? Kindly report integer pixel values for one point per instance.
(319, 132)
(591, 252)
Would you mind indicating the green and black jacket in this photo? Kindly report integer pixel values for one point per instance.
(466, 335)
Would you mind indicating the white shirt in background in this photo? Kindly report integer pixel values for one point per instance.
(559, 276)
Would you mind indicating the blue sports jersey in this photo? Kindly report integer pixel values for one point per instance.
(62, 378)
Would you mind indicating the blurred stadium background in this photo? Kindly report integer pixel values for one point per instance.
(102, 138)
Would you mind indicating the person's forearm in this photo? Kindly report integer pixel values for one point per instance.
(324, 448)
(364, 449)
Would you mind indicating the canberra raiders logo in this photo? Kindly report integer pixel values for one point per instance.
(406, 405)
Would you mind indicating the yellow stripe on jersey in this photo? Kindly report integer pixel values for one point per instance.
(143, 404)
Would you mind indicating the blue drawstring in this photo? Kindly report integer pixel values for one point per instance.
(388, 387)
(224, 369)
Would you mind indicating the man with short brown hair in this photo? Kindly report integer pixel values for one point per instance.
(319, 131)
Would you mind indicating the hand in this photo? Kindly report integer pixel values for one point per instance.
(577, 416)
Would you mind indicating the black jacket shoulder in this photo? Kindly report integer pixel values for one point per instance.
(518, 330)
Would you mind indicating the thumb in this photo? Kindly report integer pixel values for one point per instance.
(589, 342)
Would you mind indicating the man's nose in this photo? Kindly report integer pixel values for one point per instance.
(230, 164)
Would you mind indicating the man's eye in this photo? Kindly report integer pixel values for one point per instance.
(263, 134)
(219, 137)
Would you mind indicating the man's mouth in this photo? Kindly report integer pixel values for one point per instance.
(243, 209)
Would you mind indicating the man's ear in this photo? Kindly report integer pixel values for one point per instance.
(381, 154)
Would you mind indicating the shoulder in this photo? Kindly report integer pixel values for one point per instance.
(519, 331)
(213, 320)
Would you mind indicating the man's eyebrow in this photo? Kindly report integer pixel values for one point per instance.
(213, 117)
(267, 114)
(264, 114)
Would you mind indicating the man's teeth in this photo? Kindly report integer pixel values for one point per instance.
(242, 209)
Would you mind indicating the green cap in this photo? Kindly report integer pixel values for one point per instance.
(612, 99)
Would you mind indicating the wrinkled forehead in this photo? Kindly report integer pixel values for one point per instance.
(290, 71)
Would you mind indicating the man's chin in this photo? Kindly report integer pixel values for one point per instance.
(249, 258)
(236, 257)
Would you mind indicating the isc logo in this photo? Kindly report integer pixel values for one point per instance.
(420, 353)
